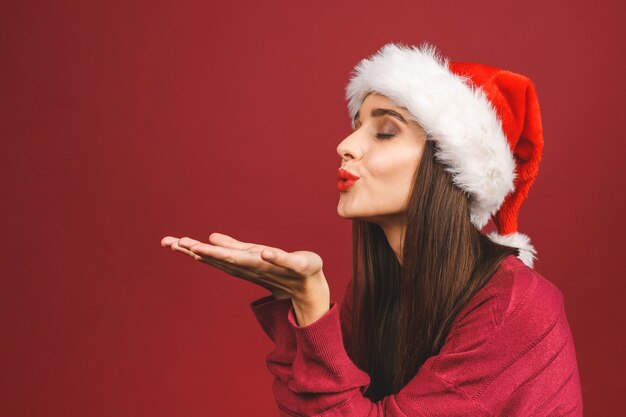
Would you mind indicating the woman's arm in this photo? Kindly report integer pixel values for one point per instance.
(324, 381)
(270, 313)
(511, 353)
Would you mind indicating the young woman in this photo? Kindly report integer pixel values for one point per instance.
(439, 319)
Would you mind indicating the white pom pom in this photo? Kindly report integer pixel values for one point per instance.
(518, 240)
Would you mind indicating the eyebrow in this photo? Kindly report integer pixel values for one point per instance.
(379, 112)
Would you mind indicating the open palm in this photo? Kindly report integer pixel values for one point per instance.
(284, 274)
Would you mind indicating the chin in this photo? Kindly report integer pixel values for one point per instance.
(341, 213)
(345, 214)
(356, 212)
(351, 216)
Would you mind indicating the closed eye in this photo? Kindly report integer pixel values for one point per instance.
(384, 136)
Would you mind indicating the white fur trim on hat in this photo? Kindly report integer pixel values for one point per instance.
(459, 117)
(518, 240)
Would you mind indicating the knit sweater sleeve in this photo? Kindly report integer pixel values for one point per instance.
(271, 313)
(509, 352)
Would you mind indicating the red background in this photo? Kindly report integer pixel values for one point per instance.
(125, 121)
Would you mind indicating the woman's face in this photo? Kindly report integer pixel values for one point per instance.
(384, 151)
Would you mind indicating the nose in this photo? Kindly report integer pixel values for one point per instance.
(349, 147)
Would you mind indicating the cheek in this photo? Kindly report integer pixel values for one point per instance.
(395, 170)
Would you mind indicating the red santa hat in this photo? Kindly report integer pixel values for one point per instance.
(485, 120)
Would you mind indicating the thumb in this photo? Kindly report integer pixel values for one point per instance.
(277, 257)
(268, 255)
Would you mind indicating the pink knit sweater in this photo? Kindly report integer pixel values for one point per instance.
(509, 352)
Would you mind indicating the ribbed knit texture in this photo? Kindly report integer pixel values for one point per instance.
(509, 352)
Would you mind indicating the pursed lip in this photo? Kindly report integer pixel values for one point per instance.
(344, 175)
(345, 179)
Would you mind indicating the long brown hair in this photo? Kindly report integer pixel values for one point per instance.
(402, 313)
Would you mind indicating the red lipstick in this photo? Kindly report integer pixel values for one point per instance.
(345, 179)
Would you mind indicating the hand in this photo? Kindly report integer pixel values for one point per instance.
(297, 275)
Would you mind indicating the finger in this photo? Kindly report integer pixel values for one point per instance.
(187, 242)
(221, 239)
(273, 257)
(240, 267)
(283, 259)
(230, 255)
(248, 264)
(176, 247)
(168, 240)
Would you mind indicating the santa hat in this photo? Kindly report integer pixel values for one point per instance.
(485, 120)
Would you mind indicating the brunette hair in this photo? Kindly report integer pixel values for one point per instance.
(401, 314)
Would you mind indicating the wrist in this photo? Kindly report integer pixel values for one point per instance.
(313, 302)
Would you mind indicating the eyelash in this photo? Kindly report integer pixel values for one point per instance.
(384, 136)
(381, 136)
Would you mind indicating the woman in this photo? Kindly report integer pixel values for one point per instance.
(439, 318)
